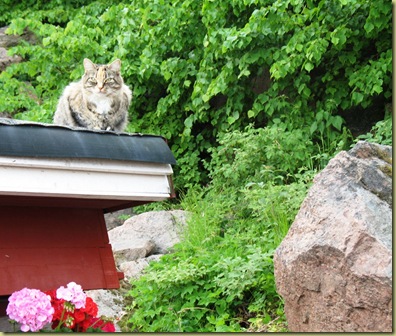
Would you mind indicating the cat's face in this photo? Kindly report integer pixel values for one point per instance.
(102, 79)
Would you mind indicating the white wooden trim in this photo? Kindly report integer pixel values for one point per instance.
(127, 167)
(84, 178)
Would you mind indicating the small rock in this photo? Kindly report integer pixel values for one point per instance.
(117, 218)
(131, 250)
(134, 269)
(110, 304)
(7, 326)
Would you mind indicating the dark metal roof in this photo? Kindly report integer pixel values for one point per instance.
(29, 139)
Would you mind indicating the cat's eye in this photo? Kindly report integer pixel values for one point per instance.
(109, 80)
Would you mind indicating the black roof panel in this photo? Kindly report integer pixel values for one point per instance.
(29, 139)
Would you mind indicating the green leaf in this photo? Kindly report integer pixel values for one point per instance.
(337, 122)
(313, 128)
(308, 66)
(299, 47)
(188, 122)
(377, 88)
(368, 27)
(251, 114)
(357, 97)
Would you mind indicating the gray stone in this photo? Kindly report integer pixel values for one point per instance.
(160, 227)
(110, 304)
(134, 269)
(6, 60)
(117, 218)
(334, 267)
(6, 325)
(131, 250)
(8, 41)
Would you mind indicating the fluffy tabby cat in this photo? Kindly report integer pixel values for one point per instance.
(99, 101)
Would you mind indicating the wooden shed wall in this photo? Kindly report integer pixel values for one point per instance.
(46, 247)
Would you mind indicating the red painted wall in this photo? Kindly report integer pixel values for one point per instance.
(47, 247)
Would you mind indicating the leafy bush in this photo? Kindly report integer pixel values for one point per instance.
(200, 69)
(382, 131)
(272, 153)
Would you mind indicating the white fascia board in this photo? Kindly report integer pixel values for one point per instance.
(77, 164)
(74, 178)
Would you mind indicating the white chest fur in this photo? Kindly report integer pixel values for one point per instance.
(102, 102)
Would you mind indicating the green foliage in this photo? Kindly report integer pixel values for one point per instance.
(382, 131)
(199, 69)
(220, 278)
(248, 94)
(10, 9)
(273, 153)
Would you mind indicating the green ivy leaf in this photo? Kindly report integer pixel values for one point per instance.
(357, 97)
(308, 66)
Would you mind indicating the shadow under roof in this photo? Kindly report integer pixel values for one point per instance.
(30, 139)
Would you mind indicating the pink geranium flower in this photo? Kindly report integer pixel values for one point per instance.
(31, 308)
(69, 309)
(73, 293)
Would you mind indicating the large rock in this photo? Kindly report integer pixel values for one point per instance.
(145, 237)
(133, 244)
(8, 41)
(162, 228)
(334, 267)
(6, 60)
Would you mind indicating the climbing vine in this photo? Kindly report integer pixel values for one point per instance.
(200, 69)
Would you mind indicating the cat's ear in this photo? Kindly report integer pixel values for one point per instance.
(89, 65)
(115, 66)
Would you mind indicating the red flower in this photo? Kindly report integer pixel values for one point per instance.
(90, 307)
(84, 325)
(57, 304)
(106, 326)
(79, 315)
(78, 320)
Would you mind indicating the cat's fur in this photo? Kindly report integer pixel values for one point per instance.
(99, 101)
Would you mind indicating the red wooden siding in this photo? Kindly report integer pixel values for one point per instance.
(46, 247)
